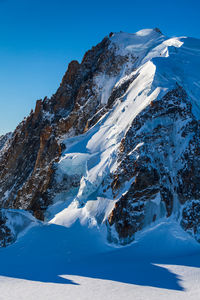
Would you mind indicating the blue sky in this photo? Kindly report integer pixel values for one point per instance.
(38, 39)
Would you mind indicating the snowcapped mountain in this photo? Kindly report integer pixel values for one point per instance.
(115, 148)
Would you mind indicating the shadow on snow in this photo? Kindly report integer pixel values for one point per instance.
(46, 253)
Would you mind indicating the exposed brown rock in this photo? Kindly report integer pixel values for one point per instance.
(150, 173)
(28, 166)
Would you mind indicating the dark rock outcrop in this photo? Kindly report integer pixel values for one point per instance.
(27, 167)
(6, 235)
(151, 160)
(157, 171)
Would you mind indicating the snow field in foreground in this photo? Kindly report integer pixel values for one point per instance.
(55, 262)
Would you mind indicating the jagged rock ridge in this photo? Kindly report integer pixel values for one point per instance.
(117, 144)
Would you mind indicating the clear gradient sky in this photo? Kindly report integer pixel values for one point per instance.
(38, 38)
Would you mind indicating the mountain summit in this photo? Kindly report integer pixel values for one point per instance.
(116, 147)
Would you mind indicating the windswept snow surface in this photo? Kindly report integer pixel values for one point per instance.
(55, 262)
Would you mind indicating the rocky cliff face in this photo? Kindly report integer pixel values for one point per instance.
(117, 145)
(159, 154)
(27, 165)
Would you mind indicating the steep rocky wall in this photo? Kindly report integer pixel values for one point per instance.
(158, 160)
(4, 139)
(159, 155)
(27, 167)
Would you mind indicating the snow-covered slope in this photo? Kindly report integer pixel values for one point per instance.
(165, 76)
(117, 146)
(111, 159)
(56, 262)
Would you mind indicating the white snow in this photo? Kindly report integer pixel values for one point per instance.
(69, 258)
(162, 62)
(105, 84)
(138, 43)
(54, 262)
(73, 163)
